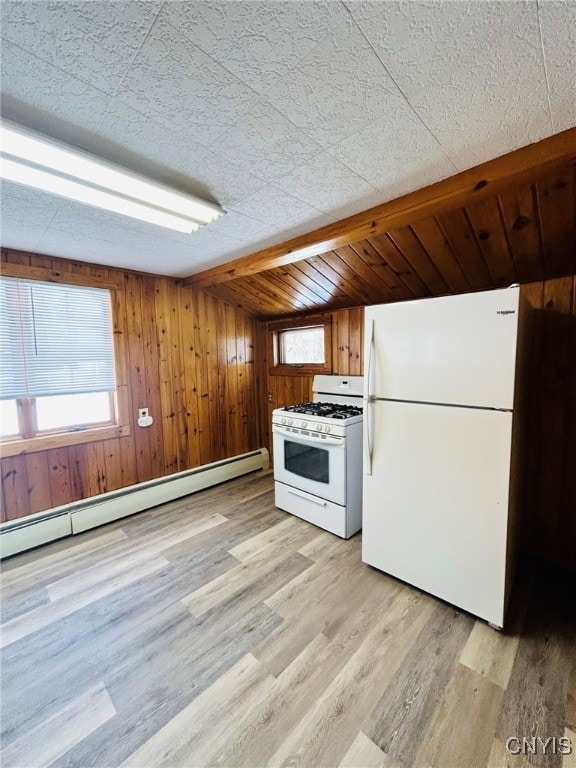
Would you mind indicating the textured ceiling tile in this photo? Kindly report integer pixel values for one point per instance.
(193, 118)
(157, 255)
(24, 216)
(207, 254)
(472, 70)
(414, 177)
(264, 241)
(177, 85)
(321, 220)
(227, 182)
(139, 237)
(326, 184)
(275, 238)
(558, 24)
(20, 238)
(149, 243)
(258, 41)
(357, 204)
(296, 230)
(88, 222)
(276, 207)
(38, 95)
(173, 157)
(25, 205)
(214, 255)
(265, 143)
(337, 88)
(94, 41)
(392, 148)
(241, 228)
(57, 243)
(211, 240)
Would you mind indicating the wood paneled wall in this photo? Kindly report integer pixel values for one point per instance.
(189, 358)
(549, 476)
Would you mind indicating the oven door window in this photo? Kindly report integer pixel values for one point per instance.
(307, 461)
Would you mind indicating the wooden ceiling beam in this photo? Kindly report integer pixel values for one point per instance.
(490, 178)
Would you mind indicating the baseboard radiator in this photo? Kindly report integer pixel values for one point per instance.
(69, 519)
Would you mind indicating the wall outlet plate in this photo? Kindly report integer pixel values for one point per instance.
(142, 413)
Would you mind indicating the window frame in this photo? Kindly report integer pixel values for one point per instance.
(16, 445)
(275, 328)
(28, 417)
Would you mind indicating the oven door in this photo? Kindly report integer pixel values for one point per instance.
(311, 463)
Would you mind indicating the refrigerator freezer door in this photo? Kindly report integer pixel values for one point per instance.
(454, 349)
(436, 504)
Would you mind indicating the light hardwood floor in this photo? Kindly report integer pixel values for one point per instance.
(220, 631)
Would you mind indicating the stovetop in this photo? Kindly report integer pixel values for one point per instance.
(333, 418)
(325, 410)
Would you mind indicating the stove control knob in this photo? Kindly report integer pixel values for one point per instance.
(290, 422)
(319, 427)
(327, 428)
(283, 420)
(303, 424)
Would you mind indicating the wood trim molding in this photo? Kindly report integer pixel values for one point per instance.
(23, 447)
(115, 280)
(300, 322)
(485, 180)
(54, 276)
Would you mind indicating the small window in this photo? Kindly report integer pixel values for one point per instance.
(299, 348)
(57, 372)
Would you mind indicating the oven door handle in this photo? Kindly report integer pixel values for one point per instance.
(308, 497)
(328, 442)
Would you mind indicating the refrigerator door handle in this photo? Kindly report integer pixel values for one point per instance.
(368, 436)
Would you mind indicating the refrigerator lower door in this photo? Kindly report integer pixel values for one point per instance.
(436, 504)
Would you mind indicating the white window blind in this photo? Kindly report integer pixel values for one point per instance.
(54, 339)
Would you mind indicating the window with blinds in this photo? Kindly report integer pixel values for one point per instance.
(57, 368)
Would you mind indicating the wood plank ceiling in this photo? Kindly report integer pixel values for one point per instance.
(525, 231)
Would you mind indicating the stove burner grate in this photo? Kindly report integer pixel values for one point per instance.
(326, 410)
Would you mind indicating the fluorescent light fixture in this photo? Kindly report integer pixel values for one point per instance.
(37, 161)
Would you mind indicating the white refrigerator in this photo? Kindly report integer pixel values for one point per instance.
(440, 445)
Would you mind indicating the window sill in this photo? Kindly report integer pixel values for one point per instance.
(296, 369)
(19, 446)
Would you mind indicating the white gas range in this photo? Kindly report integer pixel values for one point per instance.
(318, 455)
